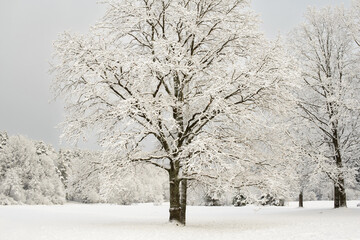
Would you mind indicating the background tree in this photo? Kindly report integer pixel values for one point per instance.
(352, 20)
(82, 178)
(141, 183)
(63, 164)
(3, 139)
(28, 173)
(183, 85)
(330, 94)
(310, 177)
(308, 170)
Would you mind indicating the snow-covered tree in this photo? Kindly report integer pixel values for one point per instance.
(140, 183)
(3, 139)
(46, 172)
(329, 98)
(352, 20)
(189, 86)
(63, 163)
(310, 177)
(82, 178)
(28, 173)
(308, 169)
(85, 182)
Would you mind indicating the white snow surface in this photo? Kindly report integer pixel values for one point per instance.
(145, 221)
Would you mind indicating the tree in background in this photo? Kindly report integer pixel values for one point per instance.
(85, 182)
(28, 173)
(141, 183)
(3, 140)
(308, 170)
(310, 176)
(63, 164)
(45, 173)
(82, 181)
(352, 20)
(329, 98)
(190, 87)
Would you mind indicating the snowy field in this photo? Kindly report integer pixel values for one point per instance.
(146, 221)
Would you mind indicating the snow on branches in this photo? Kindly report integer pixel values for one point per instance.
(329, 98)
(182, 85)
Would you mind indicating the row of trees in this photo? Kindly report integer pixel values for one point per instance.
(192, 87)
(27, 172)
(32, 172)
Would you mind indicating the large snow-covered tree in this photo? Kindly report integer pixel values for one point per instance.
(189, 86)
(330, 96)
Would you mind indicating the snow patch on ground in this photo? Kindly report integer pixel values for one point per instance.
(145, 221)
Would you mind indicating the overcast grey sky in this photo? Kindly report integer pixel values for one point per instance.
(27, 30)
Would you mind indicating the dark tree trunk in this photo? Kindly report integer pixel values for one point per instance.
(342, 193)
(183, 198)
(339, 189)
(301, 199)
(336, 196)
(175, 209)
(339, 194)
(178, 197)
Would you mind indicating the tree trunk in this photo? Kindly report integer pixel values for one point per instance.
(175, 209)
(339, 194)
(342, 193)
(301, 199)
(339, 189)
(178, 197)
(336, 196)
(183, 198)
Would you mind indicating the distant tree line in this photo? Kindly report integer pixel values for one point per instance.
(33, 172)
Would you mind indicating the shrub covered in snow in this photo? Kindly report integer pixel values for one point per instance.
(240, 200)
(271, 200)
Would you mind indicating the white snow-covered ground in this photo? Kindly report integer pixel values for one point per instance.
(145, 221)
